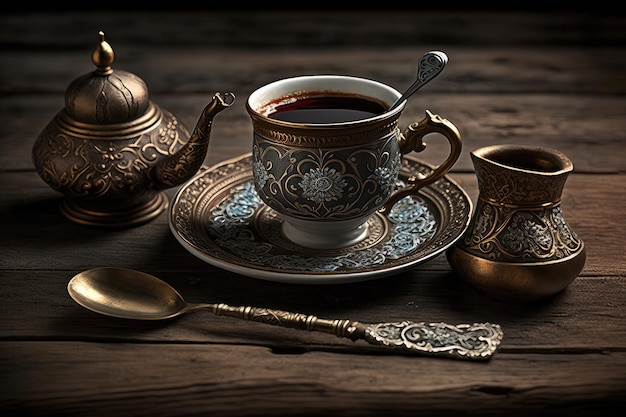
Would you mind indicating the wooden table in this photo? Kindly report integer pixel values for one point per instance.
(552, 79)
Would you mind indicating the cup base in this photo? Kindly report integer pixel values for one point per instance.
(325, 234)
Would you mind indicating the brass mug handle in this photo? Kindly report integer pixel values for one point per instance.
(412, 140)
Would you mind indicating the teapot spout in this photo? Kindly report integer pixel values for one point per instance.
(182, 165)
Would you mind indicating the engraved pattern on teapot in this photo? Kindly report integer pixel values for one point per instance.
(94, 167)
(111, 151)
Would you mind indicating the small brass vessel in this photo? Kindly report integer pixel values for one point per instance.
(518, 246)
(112, 151)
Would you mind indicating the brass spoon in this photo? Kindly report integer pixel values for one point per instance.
(430, 65)
(130, 294)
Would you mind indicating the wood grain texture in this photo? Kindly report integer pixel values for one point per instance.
(558, 121)
(165, 380)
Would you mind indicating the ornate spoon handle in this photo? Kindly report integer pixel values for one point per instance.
(477, 341)
(430, 65)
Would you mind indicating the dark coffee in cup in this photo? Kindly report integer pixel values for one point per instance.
(326, 108)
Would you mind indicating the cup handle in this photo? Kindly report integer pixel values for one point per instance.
(412, 140)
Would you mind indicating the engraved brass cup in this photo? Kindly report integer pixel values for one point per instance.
(518, 246)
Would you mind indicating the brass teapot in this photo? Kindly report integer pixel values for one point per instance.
(111, 151)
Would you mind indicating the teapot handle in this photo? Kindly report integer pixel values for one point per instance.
(412, 140)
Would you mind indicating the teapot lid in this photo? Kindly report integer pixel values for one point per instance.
(105, 96)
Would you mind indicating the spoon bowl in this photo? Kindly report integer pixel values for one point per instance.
(126, 293)
(129, 294)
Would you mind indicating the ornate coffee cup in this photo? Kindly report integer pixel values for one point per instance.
(327, 153)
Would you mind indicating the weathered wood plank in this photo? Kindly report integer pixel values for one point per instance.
(576, 321)
(594, 141)
(314, 28)
(578, 70)
(43, 378)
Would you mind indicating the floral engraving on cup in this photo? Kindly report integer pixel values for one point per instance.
(322, 184)
(326, 184)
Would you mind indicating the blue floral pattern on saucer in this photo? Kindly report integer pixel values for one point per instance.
(231, 224)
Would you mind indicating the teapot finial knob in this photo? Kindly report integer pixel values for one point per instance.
(103, 56)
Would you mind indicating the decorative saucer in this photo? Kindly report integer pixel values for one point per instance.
(218, 217)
